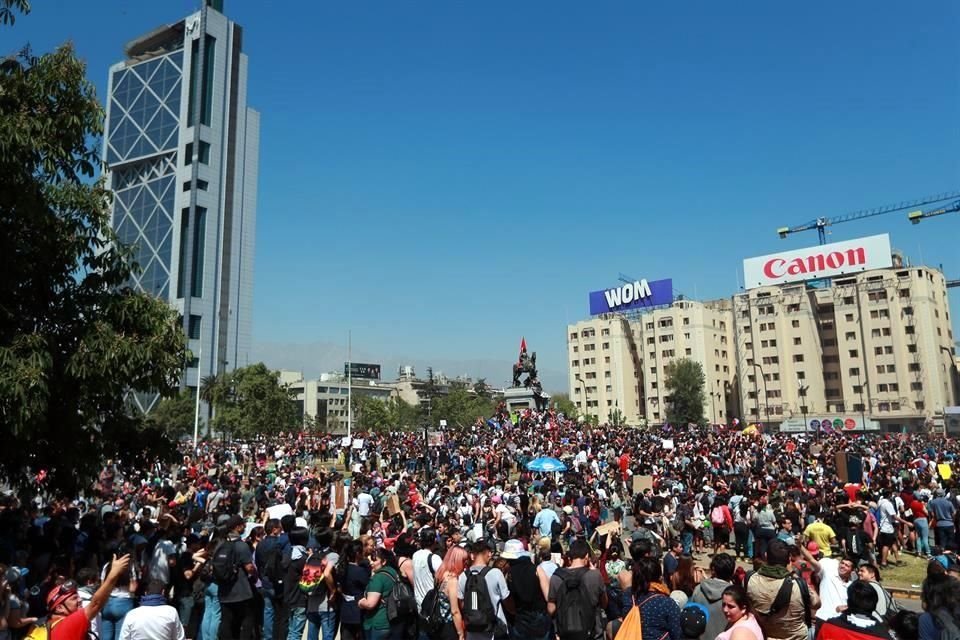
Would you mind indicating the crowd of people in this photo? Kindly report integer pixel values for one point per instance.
(649, 534)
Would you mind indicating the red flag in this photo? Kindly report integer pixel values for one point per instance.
(523, 345)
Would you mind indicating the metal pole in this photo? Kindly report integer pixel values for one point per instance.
(196, 410)
(863, 407)
(349, 384)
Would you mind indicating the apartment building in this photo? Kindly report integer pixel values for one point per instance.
(619, 362)
(873, 348)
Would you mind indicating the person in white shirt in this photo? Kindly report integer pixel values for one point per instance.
(425, 564)
(835, 576)
(154, 619)
(363, 502)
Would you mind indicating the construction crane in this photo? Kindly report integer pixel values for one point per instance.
(916, 216)
(821, 224)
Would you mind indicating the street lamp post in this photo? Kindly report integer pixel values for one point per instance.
(766, 406)
(583, 384)
(802, 393)
(863, 407)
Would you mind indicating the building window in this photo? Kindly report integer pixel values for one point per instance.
(913, 366)
(795, 324)
(916, 386)
(193, 363)
(576, 348)
(606, 345)
(606, 360)
(203, 154)
(798, 357)
(919, 405)
(193, 329)
(605, 332)
(688, 351)
(854, 353)
(188, 155)
(801, 375)
(575, 363)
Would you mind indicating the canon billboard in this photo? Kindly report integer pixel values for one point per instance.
(825, 261)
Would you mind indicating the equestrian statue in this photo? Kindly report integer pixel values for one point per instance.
(526, 364)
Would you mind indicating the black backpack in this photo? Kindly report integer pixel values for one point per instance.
(272, 569)
(224, 563)
(401, 603)
(478, 613)
(576, 616)
(430, 619)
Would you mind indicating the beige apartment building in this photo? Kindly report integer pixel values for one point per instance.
(877, 345)
(618, 362)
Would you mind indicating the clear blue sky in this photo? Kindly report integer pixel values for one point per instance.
(444, 177)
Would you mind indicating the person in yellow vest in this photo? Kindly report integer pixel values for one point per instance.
(67, 619)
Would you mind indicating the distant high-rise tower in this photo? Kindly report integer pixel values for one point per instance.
(181, 150)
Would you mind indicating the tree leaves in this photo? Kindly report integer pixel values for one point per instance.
(75, 339)
(251, 401)
(684, 383)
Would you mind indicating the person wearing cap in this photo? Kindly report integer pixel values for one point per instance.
(15, 607)
(67, 620)
(524, 582)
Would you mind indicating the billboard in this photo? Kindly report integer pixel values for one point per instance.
(828, 424)
(361, 370)
(826, 261)
(633, 295)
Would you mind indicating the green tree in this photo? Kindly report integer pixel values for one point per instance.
(563, 404)
(175, 415)
(251, 401)
(460, 407)
(684, 383)
(370, 414)
(75, 339)
(616, 418)
(402, 415)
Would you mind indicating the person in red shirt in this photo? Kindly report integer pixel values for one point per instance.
(68, 621)
(921, 525)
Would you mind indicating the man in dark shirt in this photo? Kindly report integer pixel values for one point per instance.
(295, 600)
(671, 561)
(236, 595)
(268, 556)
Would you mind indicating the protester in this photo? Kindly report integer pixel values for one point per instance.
(857, 621)
(710, 592)
(741, 623)
(154, 619)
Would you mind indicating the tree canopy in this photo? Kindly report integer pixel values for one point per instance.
(251, 401)
(684, 383)
(75, 338)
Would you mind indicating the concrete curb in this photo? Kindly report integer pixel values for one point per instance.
(904, 593)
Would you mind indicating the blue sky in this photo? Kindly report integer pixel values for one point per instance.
(445, 177)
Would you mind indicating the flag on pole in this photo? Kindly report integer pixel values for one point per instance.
(523, 345)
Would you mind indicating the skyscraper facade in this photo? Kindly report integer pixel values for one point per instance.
(181, 149)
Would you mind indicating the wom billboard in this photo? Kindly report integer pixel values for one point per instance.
(631, 296)
(825, 261)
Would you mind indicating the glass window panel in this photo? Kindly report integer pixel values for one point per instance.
(163, 251)
(176, 58)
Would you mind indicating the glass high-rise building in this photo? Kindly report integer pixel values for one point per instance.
(181, 150)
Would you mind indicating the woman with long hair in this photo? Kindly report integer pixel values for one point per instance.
(454, 563)
(352, 576)
(741, 623)
(659, 613)
(687, 576)
(941, 604)
(384, 577)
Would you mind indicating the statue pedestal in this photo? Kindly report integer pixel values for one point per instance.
(520, 398)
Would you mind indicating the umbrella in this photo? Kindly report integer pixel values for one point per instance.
(546, 464)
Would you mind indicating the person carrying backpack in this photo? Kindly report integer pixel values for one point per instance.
(483, 594)
(376, 623)
(67, 619)
(577, 596)
(233, 566)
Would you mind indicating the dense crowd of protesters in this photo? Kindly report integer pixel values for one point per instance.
(382, 537)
